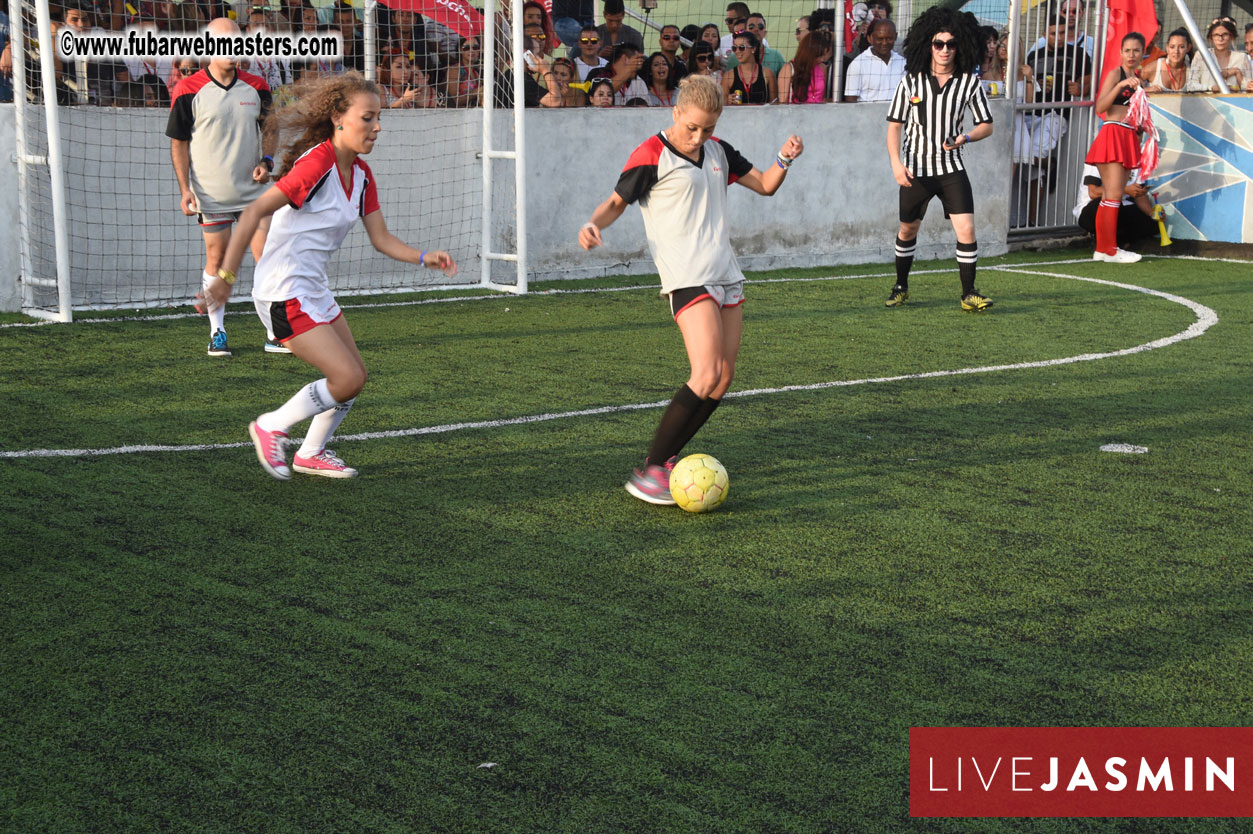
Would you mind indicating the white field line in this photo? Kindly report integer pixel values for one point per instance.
(1205, 319)
(499, 297)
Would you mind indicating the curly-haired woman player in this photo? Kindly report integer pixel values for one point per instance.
(929, 108)
(680, 178)
(322, 189)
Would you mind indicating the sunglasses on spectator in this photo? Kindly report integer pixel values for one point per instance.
(669, 37)
(188, 71)
(469, 47)
(800, 32)
(538, 36)
(703, 59)
(742, 47)
(760, 26)
(589, 40)
(1221, 20)
(736, 21)
(950, 46)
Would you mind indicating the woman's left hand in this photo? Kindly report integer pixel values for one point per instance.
(793, 147)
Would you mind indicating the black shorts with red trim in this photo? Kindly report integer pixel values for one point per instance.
(954, 192)
(724, 295)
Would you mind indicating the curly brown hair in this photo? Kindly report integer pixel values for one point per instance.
(314, 103)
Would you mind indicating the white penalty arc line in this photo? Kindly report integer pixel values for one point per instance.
(1205, 319)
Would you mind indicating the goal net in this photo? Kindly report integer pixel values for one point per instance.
(126, 242)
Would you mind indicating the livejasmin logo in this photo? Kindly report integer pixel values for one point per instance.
(1081, 775)
(1081, 771)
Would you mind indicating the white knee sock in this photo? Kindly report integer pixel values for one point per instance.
(313, 399)
(217, 317)
(322, 427)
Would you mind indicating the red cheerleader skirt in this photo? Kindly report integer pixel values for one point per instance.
(1115, 142)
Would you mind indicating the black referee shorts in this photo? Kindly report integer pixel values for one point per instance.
(952, 189)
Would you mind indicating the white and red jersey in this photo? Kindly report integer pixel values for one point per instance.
(304, 234)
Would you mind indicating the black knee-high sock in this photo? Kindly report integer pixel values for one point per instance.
(967, 263)
(699, 418)
(904, 260)
(678, 414)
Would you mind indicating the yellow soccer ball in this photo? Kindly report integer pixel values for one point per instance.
(698, 483)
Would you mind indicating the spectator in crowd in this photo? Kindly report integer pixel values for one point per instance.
(749, 82)
(660, 80)
(396, 88)
(670, 41)
(345, 19)
(536, 33)
(771, 58)
(1248, 38)
(6, 58)
(991, 56)
(802, 28)
(588, 57)
(691, 34)
(1133, 225)
(806, 79)
(874, 74)
(600, 94)
(710, 34)
(221, 160)
(1072, 14)
(1035, 134)
(564, 72)
(705, 61)
(1062, 70)
(875, 10)
(137, 69)
(1170, 74)
(614, 32)
(623, 70)
(1154, 53)
(534, 14)
(99, 75)
(736, 21)
(571, 17)
(542, 93)
(276, 70)
(1234, 65)
(408, 35)
(465, 81)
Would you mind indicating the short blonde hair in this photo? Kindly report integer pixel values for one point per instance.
(700, 92)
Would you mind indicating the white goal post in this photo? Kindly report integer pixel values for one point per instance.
(99, 219)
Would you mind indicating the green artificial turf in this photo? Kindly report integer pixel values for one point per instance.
(192, 646)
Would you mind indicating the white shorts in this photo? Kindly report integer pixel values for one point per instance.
(285, 319)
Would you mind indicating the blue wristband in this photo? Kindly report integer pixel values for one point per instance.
(422, 258)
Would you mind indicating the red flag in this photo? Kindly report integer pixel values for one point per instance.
(457, 15)
(1126, 16)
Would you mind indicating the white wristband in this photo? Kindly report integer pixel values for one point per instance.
(590, 225)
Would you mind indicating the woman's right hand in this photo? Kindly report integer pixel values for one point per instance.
(589, 236)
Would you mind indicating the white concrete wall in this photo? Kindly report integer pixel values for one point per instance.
(839, 205)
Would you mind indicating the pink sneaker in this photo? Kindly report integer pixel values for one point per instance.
(271, 449)
(325, 463)
(651, 484)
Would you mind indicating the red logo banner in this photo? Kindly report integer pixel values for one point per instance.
(1081, 772)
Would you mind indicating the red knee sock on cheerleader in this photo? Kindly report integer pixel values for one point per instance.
(1107, 227)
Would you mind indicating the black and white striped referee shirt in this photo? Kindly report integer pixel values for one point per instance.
(931, 114)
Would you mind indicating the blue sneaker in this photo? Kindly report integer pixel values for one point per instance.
(217, 345)
(275, 346)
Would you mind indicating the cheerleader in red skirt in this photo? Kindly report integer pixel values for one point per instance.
(1116, 150)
